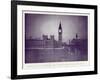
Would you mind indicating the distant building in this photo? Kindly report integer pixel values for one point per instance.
(48, 42)
(81, 44)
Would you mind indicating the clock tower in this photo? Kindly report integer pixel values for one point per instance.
(60, 33)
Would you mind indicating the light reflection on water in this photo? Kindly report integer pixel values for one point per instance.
(55, 55)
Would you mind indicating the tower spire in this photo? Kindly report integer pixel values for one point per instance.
(60, 25)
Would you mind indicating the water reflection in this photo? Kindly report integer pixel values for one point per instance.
(55, 55)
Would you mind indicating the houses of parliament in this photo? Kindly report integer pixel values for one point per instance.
(51, 42)
(46, 42)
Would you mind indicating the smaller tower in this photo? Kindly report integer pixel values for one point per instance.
(76, 36)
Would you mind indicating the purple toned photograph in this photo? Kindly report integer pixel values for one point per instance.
(55, 38)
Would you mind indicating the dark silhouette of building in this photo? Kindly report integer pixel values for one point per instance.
(46, 42)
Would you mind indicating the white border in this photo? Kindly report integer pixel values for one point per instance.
(42, 68)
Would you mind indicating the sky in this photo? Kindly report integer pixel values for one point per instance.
(37, 25)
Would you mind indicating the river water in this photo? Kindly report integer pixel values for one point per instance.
(54, 55)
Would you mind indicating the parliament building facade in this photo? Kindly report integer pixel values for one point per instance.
(46, 42)
(51, 42)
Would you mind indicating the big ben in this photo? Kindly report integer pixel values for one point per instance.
(60, 33)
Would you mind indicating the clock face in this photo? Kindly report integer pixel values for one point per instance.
(60, 30)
